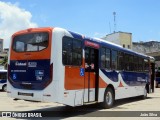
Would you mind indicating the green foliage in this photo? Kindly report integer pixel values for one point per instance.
(4, 62)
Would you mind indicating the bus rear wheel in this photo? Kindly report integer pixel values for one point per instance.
(108, 98)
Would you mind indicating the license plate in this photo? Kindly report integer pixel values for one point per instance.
(25, 94)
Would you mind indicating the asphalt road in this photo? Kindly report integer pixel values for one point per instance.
(131, 108)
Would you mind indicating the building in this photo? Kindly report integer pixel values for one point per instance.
(5, 50)
(3, 54)
(121, 38)
(146, 47)
(151, 48)
(1, 45)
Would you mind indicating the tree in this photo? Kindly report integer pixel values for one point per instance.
(4, 62)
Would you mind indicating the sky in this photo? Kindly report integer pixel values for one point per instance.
(92, 18)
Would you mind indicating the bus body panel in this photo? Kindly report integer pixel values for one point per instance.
(123, 90)
(69, 84)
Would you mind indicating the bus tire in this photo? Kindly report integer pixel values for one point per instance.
(108, 98)
(4, 88)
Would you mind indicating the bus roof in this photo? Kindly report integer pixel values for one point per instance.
(109, 44)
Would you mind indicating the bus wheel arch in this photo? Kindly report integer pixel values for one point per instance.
(109, 97)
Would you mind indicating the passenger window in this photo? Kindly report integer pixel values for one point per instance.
(146, 65)
(126, 62)
(131, 63)
(121, 61)
(114, 59)
(105, 58)
(135, 63)
(141, 61)
(71, 51)
(77, 52)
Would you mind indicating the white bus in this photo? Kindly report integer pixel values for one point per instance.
(57, 65)
(3, 80)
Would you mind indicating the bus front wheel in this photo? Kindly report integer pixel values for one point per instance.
(108, 98)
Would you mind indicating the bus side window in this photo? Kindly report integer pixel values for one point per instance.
(140, 64)
(71, 51)
(135, 59)
(121, 61)
(67, 51)
(77, 52)
(114, 60)
(131, 63)
(105, 58)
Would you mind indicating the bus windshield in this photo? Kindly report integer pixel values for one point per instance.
(31, 42)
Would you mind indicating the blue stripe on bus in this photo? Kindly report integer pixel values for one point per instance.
(75, 35)
(135, 78)
(130, 78)
(112, 75)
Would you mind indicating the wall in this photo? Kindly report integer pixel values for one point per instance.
(146, 47)
(120, 38)
(126, 39)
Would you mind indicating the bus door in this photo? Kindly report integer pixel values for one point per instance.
(91, 75)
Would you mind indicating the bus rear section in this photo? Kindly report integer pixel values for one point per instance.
(29, 66)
